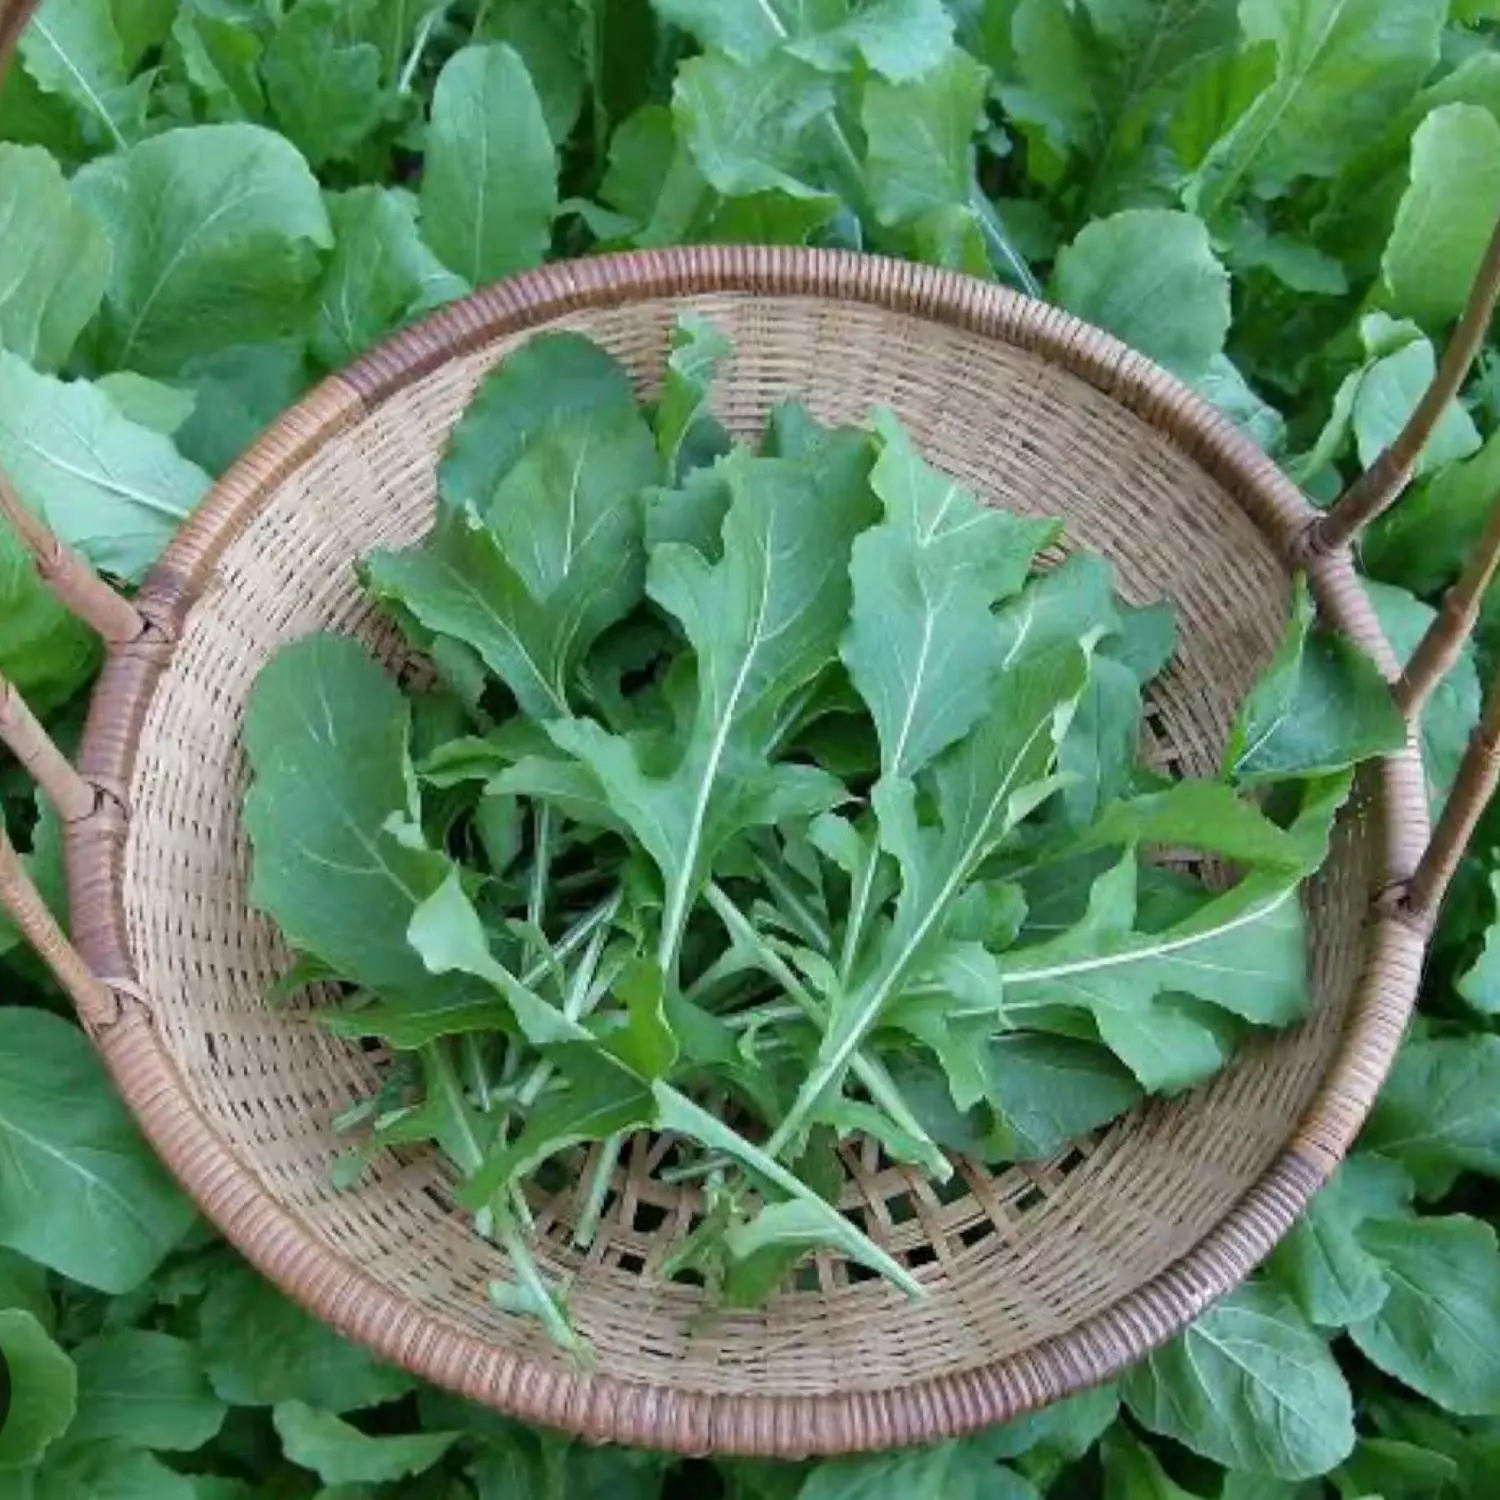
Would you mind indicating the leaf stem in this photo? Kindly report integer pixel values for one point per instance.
(796, 910)
(596, 1192)
(541, 866)
(479, 1080)
(998, 241)
(529, 1274)
(581, 998)
(859, 905)
(419, 46)
(877, 1082)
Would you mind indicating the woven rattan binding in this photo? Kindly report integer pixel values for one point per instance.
(844, 1376)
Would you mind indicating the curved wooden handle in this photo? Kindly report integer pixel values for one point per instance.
(41, 932)
(82, 591)
(14, 14)
(75, 583)
(1381, 485)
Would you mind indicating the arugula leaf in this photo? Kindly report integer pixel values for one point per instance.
(109, 1471)
(920, 646)
(41, 1384)
(380, 274)
(489, 186)
(983, 787)
(74, 50)
(217, 47)
(939, 1469)
(1388, 393)
(326, 734)
(608, 1103)
(1150, 277)
(1133, 1472)
(23, 1288)
(1439, 1113)
(1321, 1262)
(554, 379)
(899, 39)
(763, 622)
(1422, 544)
(1341, 67)
(1402, 1471)
(1452, 711)
(147, 403)
(686, 432)
(550, 40)
(559, 560)
(339, 1453)
(111, 488)
(1243, 950)
(1446, 214)
(79, 1191)
(748, 126)
(1048, 1090)
(237, 393)
(802, 1218)
(1436, 1329)
(1479, 984)
(918, 136)
(1046, 1441)
(145, 1388)
(259, 1348)
(141, 26)
(1375, 401)
(1319, 706)
(323, 78)
(1248, 1385)
(56, 260)
(214, 233)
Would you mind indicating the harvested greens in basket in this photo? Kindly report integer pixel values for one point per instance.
(767, 796)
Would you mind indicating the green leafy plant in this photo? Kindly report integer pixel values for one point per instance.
(739, 823)
(1282, 203)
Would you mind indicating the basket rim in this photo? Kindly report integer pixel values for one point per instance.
(601, 1407)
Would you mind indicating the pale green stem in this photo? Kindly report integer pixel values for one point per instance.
(530, 1276)
(877, 1082)
(859, 906)
(998, 240)
(497, 1218)
(479, 1081)
(792, 905)
(582, 996)
(596, 1192)
(759, 1015)
(541, 867)
(419, 46)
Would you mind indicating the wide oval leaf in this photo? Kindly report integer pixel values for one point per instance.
(1251, 1386)
(79, 1190)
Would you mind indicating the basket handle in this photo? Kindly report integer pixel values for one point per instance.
(14, 14)
(1371, 496)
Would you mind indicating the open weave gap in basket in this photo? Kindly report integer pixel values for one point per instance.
(1021, 1254)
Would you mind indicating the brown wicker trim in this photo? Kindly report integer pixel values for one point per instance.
(599, 1407)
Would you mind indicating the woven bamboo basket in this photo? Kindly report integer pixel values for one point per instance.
(1043, 1279)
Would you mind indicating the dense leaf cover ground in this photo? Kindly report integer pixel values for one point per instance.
(206, 204)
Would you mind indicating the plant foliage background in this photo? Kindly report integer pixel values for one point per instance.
(205, 204)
